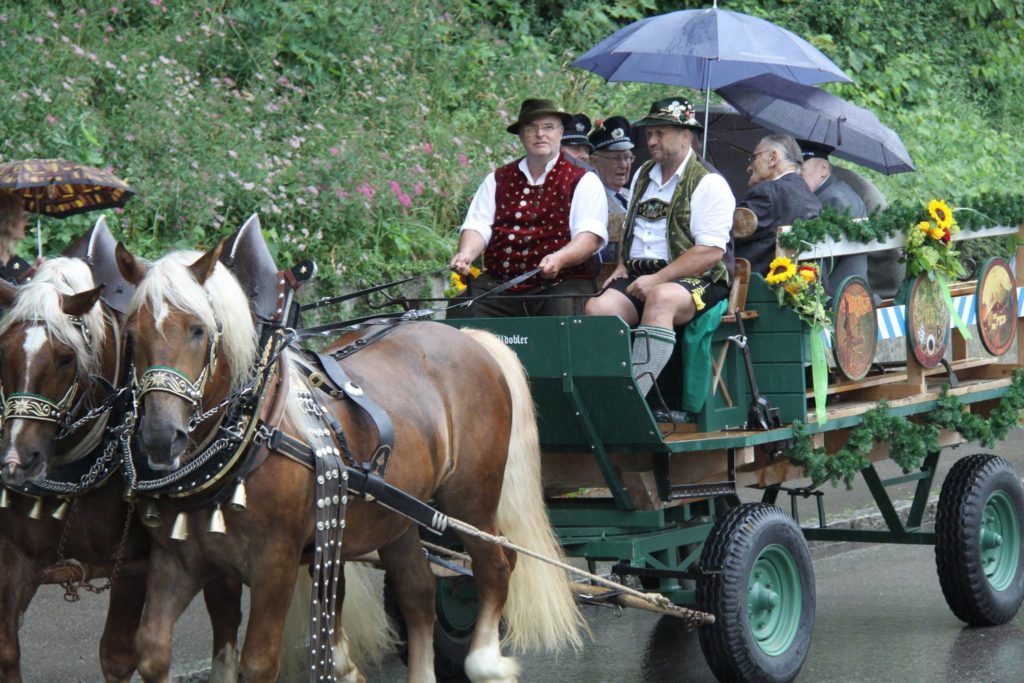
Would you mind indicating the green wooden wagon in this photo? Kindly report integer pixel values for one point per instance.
(659, 500)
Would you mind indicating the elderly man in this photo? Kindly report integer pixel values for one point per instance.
(537, 212)
(678, 258)
(574, 139)
(832, 191)
(612, 160)
(777, 196)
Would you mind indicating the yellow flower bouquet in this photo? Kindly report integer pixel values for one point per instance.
(799, 287)
(457, 283)
(928, 250)
(928, 246)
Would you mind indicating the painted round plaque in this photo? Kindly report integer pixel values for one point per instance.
(996, 303)
(856, 333)
(927, 322)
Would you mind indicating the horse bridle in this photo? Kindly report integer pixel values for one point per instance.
(173, 381)
(29, 406)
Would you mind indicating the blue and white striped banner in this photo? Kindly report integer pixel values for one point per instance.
(892, 321)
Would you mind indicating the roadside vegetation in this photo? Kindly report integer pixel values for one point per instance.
(359, 130)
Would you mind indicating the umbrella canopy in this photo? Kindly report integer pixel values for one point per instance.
(59, 188)
(707, 49)
(809, 113)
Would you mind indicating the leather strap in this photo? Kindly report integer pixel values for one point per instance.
(378, 462)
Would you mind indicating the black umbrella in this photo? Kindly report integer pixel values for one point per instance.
(810, 113)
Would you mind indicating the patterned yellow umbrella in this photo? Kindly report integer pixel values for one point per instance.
(59, 188)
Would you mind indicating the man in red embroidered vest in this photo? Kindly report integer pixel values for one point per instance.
(538, 212)
(676, 260)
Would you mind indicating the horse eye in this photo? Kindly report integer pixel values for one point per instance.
(65, 360)
(198, 332)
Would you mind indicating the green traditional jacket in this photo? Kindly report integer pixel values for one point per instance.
(680, 238)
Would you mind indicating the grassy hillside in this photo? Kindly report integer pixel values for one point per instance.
(358, 130)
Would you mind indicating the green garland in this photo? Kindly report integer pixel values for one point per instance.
(909, 442)
(987, 210)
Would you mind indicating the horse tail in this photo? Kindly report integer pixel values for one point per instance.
(367, 630)
(541, 611)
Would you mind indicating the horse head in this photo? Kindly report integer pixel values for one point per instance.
(193, 341)
(51, 345)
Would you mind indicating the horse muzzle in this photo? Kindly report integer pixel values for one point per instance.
(164, 445)
(17, 473)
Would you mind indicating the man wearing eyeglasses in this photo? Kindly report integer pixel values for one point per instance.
(676, 258)
(540, 211)
(777, 196)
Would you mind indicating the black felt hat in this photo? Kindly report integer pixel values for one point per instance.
(612, 135)
(576, 132)
(671, 111)
(814, 150)
(531, 109)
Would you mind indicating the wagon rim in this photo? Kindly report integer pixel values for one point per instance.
(1000, 540)
(774, 599)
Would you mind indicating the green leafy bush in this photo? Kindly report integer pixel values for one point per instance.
(358, 131)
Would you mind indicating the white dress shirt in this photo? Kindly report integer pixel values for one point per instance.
(711, 211)
(587, 213)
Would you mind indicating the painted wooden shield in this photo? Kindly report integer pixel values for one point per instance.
(996, 302)
(927, 322)
(856, 331)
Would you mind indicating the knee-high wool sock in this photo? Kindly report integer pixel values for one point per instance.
(652, 347)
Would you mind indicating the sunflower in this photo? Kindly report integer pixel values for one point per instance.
(924, 226)
(941, 212)
(780, 270)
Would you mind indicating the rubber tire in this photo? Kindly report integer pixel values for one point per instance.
(732, 547)
(958, 522)
(450, 650)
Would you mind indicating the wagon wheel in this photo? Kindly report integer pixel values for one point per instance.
(978, 550)
(456, 617)
(760, 587)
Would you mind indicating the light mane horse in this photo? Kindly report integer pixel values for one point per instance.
(465, 437)
(53, 335)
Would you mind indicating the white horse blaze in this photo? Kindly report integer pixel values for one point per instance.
(35, 337)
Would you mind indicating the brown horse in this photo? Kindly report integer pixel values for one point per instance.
(55, 340)
(464, 437)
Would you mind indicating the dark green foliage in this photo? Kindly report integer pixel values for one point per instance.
(359, 130)
(909, 442)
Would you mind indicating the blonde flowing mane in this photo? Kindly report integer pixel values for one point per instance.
(38, 301)
(169, 284)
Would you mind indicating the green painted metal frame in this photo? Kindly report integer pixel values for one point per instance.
(897, 531)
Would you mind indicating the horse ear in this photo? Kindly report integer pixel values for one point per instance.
(81, 303)
(131, 268)
(205, 265)
(7, 293)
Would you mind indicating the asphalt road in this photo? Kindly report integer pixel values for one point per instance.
(881, 617)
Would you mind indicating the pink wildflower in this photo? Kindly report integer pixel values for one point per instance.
(51, 119)
(417, 189)
(365, 190)
(334, 151)
(396, 188)
(464, 160)
(405, 200)
(428, 148)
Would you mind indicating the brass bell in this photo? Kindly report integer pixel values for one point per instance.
(217, 525)
(37, 509)
(150, 514)
(5, 500)
(61, 512)
(237, 502)
(179, 532)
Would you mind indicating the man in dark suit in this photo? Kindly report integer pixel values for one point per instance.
(832, 191)
(777, 196)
